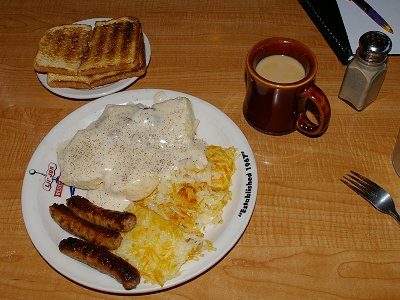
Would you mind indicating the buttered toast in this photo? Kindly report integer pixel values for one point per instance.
(90, 81)
(61, 49)
(113, 46)
(79, 56)
(96, 80)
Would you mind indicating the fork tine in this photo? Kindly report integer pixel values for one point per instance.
(362, 185)
(372, 192)
(356, 189)
(367, 180)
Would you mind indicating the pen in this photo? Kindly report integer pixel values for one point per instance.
(373, 14)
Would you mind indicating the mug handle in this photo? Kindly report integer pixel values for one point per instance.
(314, 94)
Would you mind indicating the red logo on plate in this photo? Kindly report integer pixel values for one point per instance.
(50, 177)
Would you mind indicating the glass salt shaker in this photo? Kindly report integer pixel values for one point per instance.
(366, 71)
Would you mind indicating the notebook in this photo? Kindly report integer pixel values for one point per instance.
(342, 22)
(326, 16)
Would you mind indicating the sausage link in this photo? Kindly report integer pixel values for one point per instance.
(102, 260)
(96, 234)
(121, 221)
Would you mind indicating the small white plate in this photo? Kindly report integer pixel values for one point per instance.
(101, 90)
(41, 189)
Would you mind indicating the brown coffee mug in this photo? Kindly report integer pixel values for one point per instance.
(280, 108)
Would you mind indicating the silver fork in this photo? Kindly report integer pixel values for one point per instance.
(371, 192)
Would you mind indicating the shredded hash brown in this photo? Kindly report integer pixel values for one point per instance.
(171, 221)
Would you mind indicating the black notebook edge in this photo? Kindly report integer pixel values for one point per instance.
(327, 18)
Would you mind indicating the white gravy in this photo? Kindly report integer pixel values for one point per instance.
(124, 153)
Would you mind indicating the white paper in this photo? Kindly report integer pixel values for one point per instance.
(357, 22)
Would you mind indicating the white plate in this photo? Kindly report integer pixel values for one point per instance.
(40, 191)
(101, 90)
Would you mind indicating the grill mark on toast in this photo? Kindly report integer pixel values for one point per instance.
(100, 43)
(60, 39)
(113, 42)
(128, 33)
(73, 50)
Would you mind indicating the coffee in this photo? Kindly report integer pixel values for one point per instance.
(281, 69)
(280, 105)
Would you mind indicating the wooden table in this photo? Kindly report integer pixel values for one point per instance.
(310, 237)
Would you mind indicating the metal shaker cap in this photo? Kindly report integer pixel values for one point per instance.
(374, 46)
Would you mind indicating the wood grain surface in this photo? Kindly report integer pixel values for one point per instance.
(310, 237)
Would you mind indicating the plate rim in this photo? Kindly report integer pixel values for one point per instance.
(176, 281)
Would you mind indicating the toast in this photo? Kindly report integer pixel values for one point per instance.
(61, 49)
(113, 46)
(90, 81)
(96, 80)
